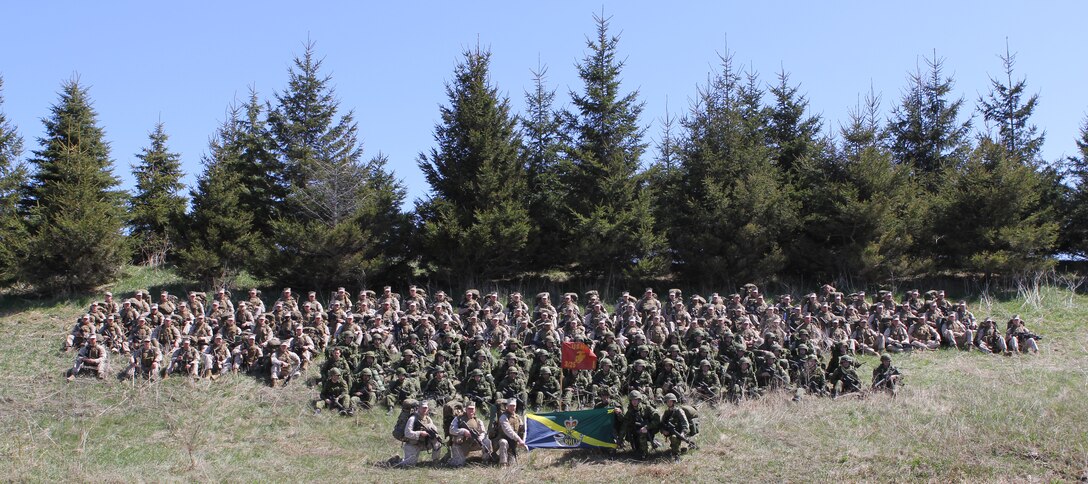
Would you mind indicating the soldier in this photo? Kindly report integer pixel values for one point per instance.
(923, 336)
(479, 389)
(510, 430)
(896, 337)
(83, 329)
(366, 391)
(303, 346)
(988, 339)
(957, 334)
(440, 388)
(513, 385)
(811, 378)
(640, 424)
(546, 390)
(706, 382)
(638, 378)
(334, 393)
(185, 359)
(468, 434)
(401, 388)
(91, 357)
(420, 435)
(146, 361)
(254, 304)
(743, 380)
(247, 356)
(285, 363)
(1019, 337)
(845, 378)
(674, 425)
(669, 380)
(886, 377)
(218, 357)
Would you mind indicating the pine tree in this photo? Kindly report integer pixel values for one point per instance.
(220, 238)
(737, 209)
(612, 229)
(76, 213)
(989, 217)
(157, 209)
(12, 178)
(868, 205)
(340, 212)
(476, 223)
(925, 129)
(1005, 107)
(540, 151)
(792, 132)
(261, 171)
(1074, 209)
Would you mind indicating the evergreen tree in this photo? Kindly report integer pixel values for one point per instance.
(220, 239)
(541, 153)
(476, 223)
(76, 212)
(791, 131)
(863, 211)
(261, 171)
(1074, 229)
(340, 212)
(612, 228)
(925, 129)
(737, 208)
(12, 178)
(157, 209)
(989, 216)
(1005, 106)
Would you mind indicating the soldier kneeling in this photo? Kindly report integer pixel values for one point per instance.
(420, 435)
(468, 434)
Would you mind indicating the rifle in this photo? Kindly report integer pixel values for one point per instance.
(886, 377)
(668, 427)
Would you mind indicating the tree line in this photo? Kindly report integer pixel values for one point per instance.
(747, 184)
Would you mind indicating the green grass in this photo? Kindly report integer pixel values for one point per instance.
(961, 417)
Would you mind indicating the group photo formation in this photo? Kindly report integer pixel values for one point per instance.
(554, 242)
(483, 361)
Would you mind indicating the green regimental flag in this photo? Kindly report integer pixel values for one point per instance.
(585, 429)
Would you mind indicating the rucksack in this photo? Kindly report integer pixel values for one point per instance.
(451, 410)
(693, 419)
(406, 410)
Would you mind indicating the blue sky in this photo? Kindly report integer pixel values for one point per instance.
(185, 62)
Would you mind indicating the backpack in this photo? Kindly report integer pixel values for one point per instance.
(693, 419)
(450, 411)
(406, 410)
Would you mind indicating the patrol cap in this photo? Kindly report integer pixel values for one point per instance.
(92, 336)
(512, 401)
(470, 404)
(148, 340)
(669, 397)
(274, 342)
(635, 394)
(425, 404)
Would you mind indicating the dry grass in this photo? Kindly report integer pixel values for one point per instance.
(962, 417)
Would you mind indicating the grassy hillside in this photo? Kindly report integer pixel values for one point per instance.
(962, 416)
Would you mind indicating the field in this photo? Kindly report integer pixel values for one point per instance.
(961, 417)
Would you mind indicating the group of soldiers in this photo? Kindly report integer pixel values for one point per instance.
(384, 349)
